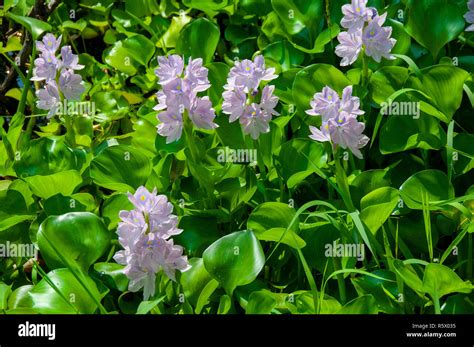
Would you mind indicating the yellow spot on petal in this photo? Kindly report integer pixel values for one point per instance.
(247, 68)
(142, 198)
(358, 9)
(372, 33)
(50, 44)
(327, 127)
(254, 113)
(330, 97)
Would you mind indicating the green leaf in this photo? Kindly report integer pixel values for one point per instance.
(35, 26)
(127, 55)
(368, 181)
(64, 183)
(269, 221)
(198, 39)
(377, 206)
(198, 233)
(147, 306)
(72, 297)
(234, 260)
(194, 280)
(111, 274)
(5, 291)
(46, 156)
(299, 158)
(60, 204)
(206, 293)
(403, 132)
(210, 8)
(433, 23)
(301, 19)
(261, 302)
(284, 54)
(20, 297)
(444, 84)
(122, 168)
(73, 238)
(408, 275)
(364, 304)
(440, 280)
(433, 183)
(111, 208)
(218, 78)
(386, 81)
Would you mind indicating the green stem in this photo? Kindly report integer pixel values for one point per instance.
(24, 92)
(469, 256)
(436, 305)
(70, 134)
(342, 183)
(340, 280)
(260, 162)
(365, 69)
(466, 41)
(188, 131)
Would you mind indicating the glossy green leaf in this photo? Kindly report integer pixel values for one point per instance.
(433, 183)
(198, 40)
(67, 296)
(35, 26)
(235, 259)
(377, 206)
(440, 280)
(73, 238)
(269, 222)
(64, 183)
(299, 158)
(121, 168)
(433, 23)
(194, 280)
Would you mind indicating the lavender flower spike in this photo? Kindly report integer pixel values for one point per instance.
(377, 39)
(365, 34)
(60, 81)
(179, 98)
(355, 15)
(145, 235)
(339, 120)
(49, 44)
(244, 100)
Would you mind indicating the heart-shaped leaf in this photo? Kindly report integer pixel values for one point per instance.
(73, 238)
(235, 259)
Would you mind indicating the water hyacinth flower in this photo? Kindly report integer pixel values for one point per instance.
(244, 100)
(339, 120)
(57, 74)
(179, 96)
(145, 235)
(365, 32)
(469, 16)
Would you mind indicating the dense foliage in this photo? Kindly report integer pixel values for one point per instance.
(236, 156)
